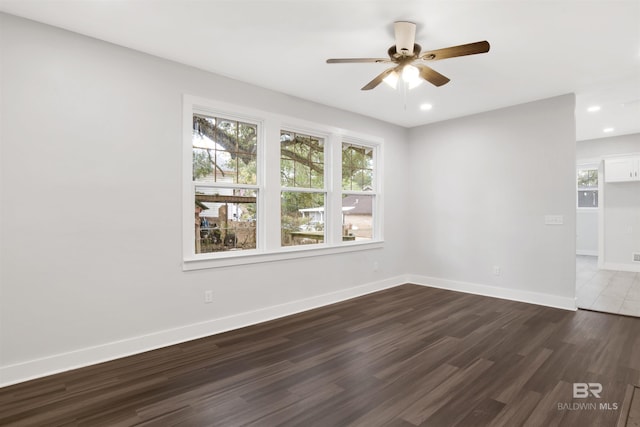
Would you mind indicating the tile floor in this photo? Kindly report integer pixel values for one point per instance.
(604, 290)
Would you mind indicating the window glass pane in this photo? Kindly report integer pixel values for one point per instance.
(226, 135)
(357, 167)
(301, 147)
(301, 158)
(225, 219)
(588, 178)
(287, 172)
(247, 138)
(588, 187)
(247, 170)
(229, 169)
(316, 177)
(357, 217)
(588, 198)
(302, 176)
(224, 150)
(303, 218)
(203, 164)
(317, 152)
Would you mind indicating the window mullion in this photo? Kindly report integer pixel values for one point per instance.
(334, 189)
(271, 168)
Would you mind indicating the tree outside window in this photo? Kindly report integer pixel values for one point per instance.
(224, 170)
(358, 196)
(357, 167)
(303, 196)
(324, 179)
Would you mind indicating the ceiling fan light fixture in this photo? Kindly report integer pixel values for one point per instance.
(411, 76)
(392, 79)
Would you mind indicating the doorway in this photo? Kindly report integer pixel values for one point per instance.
(599, 286)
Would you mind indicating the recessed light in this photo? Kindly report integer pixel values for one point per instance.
(593, 108)
(426, 107)
(608, 130)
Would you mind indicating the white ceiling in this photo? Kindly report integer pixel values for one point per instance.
(539, 49)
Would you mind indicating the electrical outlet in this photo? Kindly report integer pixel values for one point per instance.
(376, 266)
(208, 297)
(496, 270)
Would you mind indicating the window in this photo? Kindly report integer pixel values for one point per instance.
(358, 196)
(224, 177)
(260, 187)
(303, 196)
(587, 184)
(357, 167)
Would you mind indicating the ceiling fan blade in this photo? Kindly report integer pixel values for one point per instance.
(431, 75)
(355, 60)
(453, 51)
(379, 78)
(405, 33)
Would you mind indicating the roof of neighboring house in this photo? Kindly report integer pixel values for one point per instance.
(201, 205)
(362, 205)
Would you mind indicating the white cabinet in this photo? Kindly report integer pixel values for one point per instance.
(622, 169)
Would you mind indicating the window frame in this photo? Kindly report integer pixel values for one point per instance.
(268, 187)
(324, 190)
(375, 192)
(592, 165)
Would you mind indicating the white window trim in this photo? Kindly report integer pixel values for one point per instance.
(269, 187)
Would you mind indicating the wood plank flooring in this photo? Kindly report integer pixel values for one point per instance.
(406, 356)
(630, 411)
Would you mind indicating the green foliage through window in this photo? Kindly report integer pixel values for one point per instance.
(588, 178)
(357, 167)
(303, 218)
(301, 160)
(224, 150)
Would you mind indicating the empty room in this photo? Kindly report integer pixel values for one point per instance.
(319, 213)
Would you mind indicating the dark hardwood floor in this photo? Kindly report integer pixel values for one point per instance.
(406, 356)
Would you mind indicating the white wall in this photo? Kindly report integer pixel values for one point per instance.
(90, 138)
(620, 204)
(90, 145)
(596, 148)
(481, 188)
(621, 225)
(587, 232)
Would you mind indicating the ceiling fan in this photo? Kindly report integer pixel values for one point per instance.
(406, 52)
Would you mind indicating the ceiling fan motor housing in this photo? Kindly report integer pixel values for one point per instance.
(405, 33)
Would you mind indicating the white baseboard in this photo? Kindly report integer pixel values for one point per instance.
(16, 373)
(621, 267)
(32, 369)
(554, 301)
(586, 252)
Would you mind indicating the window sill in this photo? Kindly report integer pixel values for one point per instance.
(227, 259)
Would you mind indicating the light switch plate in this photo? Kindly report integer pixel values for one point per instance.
(553, 219)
